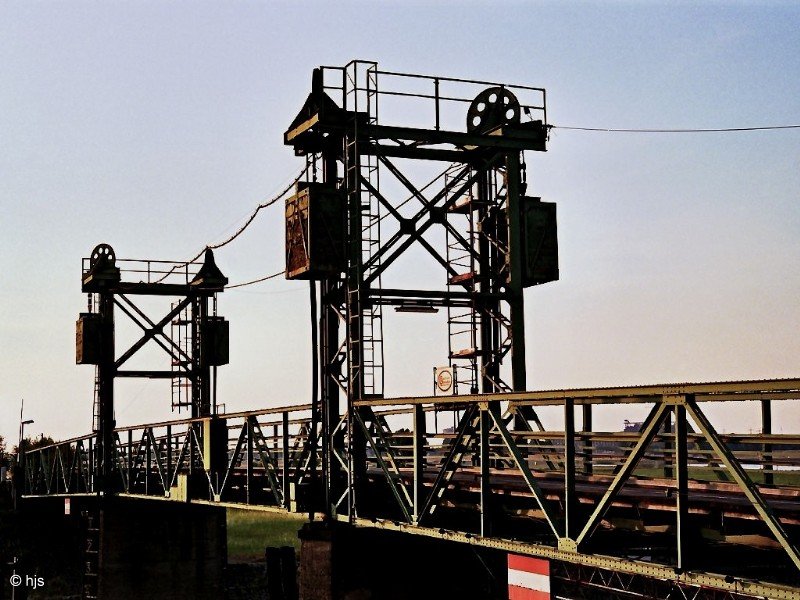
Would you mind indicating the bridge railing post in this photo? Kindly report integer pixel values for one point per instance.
(285, 459)
(570, 499)
(766, 449)
(682, 484)
(419, 460)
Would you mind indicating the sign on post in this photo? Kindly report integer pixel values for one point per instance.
(444, 381)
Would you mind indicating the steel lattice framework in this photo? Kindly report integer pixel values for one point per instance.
(670, 508)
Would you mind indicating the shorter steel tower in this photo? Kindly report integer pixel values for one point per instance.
(196, 343)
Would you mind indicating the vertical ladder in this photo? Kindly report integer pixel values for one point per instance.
(96, 403)
(494, 228)
(91, 554)
(365, 168)
(181, 333)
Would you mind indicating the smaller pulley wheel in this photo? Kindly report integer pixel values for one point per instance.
(104, 254)
(492, 107)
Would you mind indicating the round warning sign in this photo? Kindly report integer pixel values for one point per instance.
(444, 380)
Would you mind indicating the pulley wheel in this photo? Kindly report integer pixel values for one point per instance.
(492, 107)
(104, 254)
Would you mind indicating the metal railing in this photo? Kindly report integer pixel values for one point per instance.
(564, 491)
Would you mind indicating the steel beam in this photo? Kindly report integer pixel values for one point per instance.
(419, 460)
(522, 464)
(588, 466)
(570, 496)
(682, 492)
(466, 430)
(745, 483)
(647, 432)
(486, 512)
(766, 429)
(392, 475)
(776, 389)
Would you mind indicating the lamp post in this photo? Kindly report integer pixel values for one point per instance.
(19, 469)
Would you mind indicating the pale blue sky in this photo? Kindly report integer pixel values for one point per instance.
(157, 127)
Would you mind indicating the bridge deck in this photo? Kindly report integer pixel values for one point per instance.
(672, 488)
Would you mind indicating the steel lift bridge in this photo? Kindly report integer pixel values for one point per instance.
(668, 508)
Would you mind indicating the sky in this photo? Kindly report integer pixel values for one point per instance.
(156, 126)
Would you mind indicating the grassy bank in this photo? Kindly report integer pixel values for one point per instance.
(250, 531)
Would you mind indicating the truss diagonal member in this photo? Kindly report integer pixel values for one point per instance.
(429, 204)
(181, 455)
(149, 322)
(83, 469)
(743, 479)
(537, 492)
(381, 198)
(151, 332)
(648, 431)
(389, 468)
(52, 475)
(32, 471)
(234, 457)
(198, 447)
(63, 469)
(299, 449)
(438, 257)
(467, 428)
(380, 263)
(529, 414)
(121, 464)
(306, 458)
(266, 460)
(156, 450)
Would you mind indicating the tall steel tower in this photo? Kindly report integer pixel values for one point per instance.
(344, 231)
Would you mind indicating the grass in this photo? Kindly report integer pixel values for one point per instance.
(251, 531)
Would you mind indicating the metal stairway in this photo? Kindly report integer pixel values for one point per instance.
(462, 321)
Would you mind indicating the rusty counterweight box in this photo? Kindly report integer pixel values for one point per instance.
(215, 335)
(315, 232)
(88, 339)
(539, 241)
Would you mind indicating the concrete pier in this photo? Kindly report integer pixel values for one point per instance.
(155, 549)
(340, 562)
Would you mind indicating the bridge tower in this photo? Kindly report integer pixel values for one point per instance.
(195, 285)
(347, 231)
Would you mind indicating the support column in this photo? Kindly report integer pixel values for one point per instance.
(486, 463)
(106, 371)
(329, 364)
(516, 300)
(766, 429)
(570, 500)
(588, 467)
(355, 298)
(682, 485)
(419, 460)
(487, 283)
(668, 447)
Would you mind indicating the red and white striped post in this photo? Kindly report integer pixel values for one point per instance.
(528, 578)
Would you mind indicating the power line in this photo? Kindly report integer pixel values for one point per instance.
(259, 280)
(250, 219)
(279, 273)
(241, 229)
(719, 130)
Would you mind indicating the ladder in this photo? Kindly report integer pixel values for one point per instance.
(181, 333)
(96, 403)
(91, 554)
(462, 321)
(362, 175)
